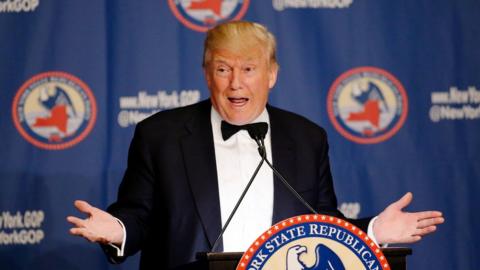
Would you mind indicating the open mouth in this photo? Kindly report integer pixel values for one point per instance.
(240, 101)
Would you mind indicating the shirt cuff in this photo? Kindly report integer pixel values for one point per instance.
(371, 234)
(120, 250)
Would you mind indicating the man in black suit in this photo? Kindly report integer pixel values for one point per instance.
(183, 177)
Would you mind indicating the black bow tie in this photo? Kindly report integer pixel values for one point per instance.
(228, 130)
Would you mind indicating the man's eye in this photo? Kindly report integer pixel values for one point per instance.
(222, 70)
(248, 69)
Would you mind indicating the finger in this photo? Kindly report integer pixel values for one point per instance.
(84, 207)
(78, 222)
(430, 222)
(403, 202)
(410, 239)
(414, 238)
(425, 231)
(83, 232)
(428, 214)
(80, 232)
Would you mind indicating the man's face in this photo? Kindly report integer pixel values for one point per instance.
(239, 85)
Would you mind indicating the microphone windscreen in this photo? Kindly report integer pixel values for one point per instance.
(257, 130)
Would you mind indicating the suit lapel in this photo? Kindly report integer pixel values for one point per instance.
(283, 155)
(199, 155)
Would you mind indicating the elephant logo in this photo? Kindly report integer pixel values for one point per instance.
(325, 259)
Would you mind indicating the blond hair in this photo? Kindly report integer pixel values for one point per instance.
(240, 37)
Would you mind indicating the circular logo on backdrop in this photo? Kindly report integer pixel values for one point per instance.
(314, 242)
(367, 105)
(200, 15)
(54, 110)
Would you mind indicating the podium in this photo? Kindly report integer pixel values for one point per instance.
(396, 257)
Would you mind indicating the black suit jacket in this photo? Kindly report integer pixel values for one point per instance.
(168, 199)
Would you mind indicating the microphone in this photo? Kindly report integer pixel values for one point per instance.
(257, 131)
(258, 135)
(290, 188)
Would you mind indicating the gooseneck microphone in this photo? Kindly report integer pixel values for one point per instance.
(290, 188)
(261, 145)
(257, 132)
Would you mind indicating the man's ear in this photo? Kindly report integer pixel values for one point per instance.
(272, 75)
(206, 74)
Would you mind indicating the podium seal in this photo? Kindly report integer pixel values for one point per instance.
(313, 242)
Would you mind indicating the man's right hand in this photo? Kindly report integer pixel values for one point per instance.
(98, 227)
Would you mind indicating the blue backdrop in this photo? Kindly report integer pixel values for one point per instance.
(396, 84)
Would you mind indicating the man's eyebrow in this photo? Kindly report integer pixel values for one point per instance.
(221, 61)
(250, 61)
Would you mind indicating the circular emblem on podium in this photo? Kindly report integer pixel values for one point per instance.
(313, 242)
(54, 110)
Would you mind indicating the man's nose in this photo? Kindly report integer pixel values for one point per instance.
(236, 80)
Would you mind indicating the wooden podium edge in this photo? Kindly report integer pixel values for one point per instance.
(396, 257)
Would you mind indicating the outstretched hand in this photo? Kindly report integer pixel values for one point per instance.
(99, 226)
(396, 226)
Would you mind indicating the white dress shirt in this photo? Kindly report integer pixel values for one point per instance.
(236, 160)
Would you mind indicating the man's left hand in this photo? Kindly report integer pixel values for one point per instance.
(394, 225)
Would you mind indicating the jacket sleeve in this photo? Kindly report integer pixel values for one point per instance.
(135, 197)
(327, 200)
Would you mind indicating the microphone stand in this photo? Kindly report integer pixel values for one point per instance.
(261, 146)
(261, 149)
(258, 132)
